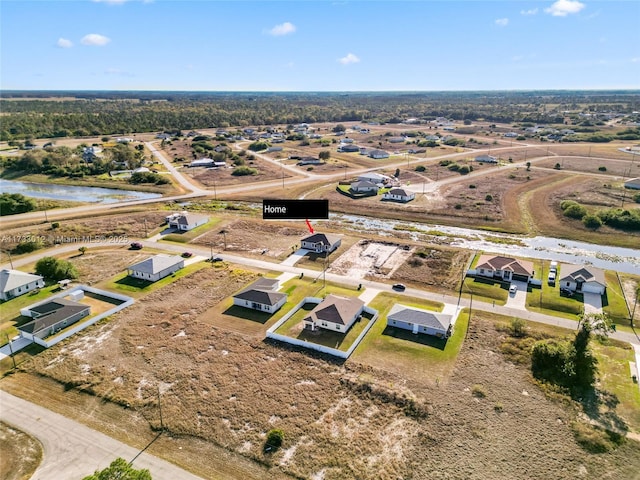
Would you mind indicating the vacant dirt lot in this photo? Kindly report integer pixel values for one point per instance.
(340, 420)
(370, 259)
(619, 168)
(21, 454)
(439, 267)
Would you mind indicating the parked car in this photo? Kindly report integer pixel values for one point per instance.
(566, 292)
(216, 259)
(513, 289)
(551, 279)
(187, 254)
(399, 286)
(136, 246)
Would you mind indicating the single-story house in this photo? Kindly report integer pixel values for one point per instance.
(321, 242)
(397, 139)
(377, 154)
(506, 268)
(580, 278)
(633, 183)
(185, 221)
(261, 295)
(202, 162)
(365, 150)
(156, 267)
(373, 177)
(364, 186)
(14, 283)
(398, 195)
(418, 320)
(89, 154)
(334, 313)
(309, 161)
(52, 316)
(348, 147)
(511, 134)
(346, 140)
(274, 149)
(486, 159)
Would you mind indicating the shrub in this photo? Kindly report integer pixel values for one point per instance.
(592, 221)
(517, 327)
(444, 163)
(602, 169)
(636, 198)
(420, 168)
(489, 198)
(242, 171)
(257, 146)
(620, 218)
(55, 225)
(275, 438)
(594, 439)
(148, 177)
(472, 186)
(478, 391)
(55, 269)
(13, 203)
(557, 166)
(29, 246)
(454, 167)
(458, 206)
(464, 170)
(575, 211)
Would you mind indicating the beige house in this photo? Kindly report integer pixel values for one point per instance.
(334, 313)
(506, 268)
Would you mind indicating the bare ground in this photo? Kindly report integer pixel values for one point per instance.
(340, 420)
(373, 259)
(21, 453)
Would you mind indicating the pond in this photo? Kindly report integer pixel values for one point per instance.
(73, 193)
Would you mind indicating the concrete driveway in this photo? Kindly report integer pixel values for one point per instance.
(519, 299)
(592, 302)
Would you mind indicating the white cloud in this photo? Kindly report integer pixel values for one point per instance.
(283, 29)
(95, 39)
(562, 8)
(349, 58)
(502, 22)
(532, 11)
(64, 43)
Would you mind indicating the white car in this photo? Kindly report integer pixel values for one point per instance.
(513, 289)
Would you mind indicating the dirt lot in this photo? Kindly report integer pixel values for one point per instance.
(368, 259)
(252, 236)
(617, 168)
(224, 388)
(21, 454)
(440, 268)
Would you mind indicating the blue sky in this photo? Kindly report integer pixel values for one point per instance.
(319, 45)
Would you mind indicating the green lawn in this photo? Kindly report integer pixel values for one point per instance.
(186, 237)
(137, 288)
(613, 302)
(487, 289)
(547, 300)
(10, 317)
(615, 378)
(397, 350)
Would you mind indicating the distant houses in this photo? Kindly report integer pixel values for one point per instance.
(399, 195)
(348, 148)
(378, 154)
(364, 186)
(261, 295)
(14, 283)
(185, 221)
(156, 268)
(633, 183)
(334, 313)
(373, 177)
(207, 163)
(486, 159)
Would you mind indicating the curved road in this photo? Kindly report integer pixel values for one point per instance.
(72, 450)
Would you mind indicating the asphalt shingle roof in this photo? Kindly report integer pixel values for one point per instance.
(156, 264)
(11, 279)
(418, 316)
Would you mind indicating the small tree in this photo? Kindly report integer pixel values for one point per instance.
(120, 470)
(528, 166)
(592, 221)
(82, 250)
(55, 269)
(324, 155)
(275, 437)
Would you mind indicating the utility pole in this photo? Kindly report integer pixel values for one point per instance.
(633, 313)
(215, 194)
(146, 234)
(160, 410)
(11, 350)
(10, 260)
(45, 216)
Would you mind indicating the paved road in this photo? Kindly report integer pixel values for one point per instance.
(72, 450)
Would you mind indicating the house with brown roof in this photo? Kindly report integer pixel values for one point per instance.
(261, 295)
(321, 242)
(505, 268)
(334, 313)
(580, 278)
(398, 195)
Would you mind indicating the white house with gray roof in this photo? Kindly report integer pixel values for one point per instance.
(261, 295)
(581, 278)
(418, 320)
(14, 283)
(321, 242)
(185, 221)
(157, 267)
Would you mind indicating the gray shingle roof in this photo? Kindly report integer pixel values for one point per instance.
(54, 312)
(11, 279)
(418, 316)
(322, 238)
(156, 264)
(262, 291)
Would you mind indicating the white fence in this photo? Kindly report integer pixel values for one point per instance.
(271, 333)
(82, 324)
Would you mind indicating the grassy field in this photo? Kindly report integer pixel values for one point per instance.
(486, 289)
(548, 300)
(137, 288)
(613, 301)
(404, 353)
(186, 237)
(21, 453)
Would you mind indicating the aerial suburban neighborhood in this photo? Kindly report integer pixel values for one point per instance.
(413, 254)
